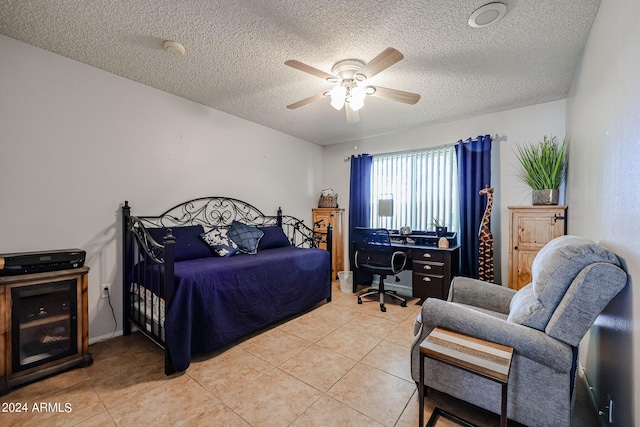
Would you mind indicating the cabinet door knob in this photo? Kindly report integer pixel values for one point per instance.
(427, 267)
(426, 255)
(426, 279)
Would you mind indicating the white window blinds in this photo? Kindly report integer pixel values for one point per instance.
(423, 186)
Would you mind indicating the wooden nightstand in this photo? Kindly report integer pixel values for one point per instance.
(322, 217)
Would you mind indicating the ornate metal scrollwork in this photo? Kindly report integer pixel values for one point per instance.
(153, 249)
(218, 212)
(300, 234)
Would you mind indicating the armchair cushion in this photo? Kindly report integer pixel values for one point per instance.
(555, 267)
(477, 293)
(525, 309)
(588, 295)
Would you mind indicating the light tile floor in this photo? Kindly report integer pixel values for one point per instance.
(341, 364)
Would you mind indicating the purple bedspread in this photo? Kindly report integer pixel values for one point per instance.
(219, 300)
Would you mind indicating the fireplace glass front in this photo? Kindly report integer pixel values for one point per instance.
(44, 323)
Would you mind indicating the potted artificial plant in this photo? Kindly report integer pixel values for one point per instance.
(543, 168)
(441, 229)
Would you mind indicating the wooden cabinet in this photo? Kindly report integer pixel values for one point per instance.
(322, 217)
(530, 228)
(433, 270)
(44, 325)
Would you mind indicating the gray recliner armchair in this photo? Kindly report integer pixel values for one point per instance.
(573, 281)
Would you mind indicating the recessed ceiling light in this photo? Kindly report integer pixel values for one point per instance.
(487, 15)
(173, 48)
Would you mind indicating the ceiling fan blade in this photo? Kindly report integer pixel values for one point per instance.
(305, 101)
(309, 69)
(396, 95)
(353, 116)
(384, 60)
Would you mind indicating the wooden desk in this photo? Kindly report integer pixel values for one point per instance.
(433, 269)
(480, 357)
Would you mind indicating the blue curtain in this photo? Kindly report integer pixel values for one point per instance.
(359, 192)
(359, 199)
(474, 173)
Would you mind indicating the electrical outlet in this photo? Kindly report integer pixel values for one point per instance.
(105, 291)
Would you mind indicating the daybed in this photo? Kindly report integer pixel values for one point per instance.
(187, 289)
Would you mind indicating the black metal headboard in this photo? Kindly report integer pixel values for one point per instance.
(217, 212)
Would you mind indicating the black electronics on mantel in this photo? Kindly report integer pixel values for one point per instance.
(41, 261)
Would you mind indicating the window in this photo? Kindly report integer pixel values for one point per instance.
(423, 186)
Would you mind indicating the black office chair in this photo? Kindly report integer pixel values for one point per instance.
(375, 254)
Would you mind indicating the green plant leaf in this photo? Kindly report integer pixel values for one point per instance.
(543, 165)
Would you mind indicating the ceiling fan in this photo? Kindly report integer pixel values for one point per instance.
(350, 77)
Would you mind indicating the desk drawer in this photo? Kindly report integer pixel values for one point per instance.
(428, 285)
(429, 267)
(428, 255)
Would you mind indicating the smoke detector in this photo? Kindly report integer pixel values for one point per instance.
(487, 15)
(174, 48)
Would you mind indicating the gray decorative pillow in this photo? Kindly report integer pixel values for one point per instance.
(245, 236)
(219, 242)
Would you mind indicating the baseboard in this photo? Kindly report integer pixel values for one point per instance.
(104, 337)
(583, 381)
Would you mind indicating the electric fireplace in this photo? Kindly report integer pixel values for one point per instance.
(43, 325)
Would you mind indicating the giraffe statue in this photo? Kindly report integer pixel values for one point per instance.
(485, 255)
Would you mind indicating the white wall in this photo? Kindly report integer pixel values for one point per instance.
(76, 142)
(603, 117)
(513, 127)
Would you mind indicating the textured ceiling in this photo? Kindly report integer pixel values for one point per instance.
(235, 54)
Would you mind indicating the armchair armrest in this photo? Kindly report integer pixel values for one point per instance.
(477, 293)
(526, 342)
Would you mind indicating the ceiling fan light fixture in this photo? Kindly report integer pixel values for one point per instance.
(348, 77)
(355, 103)
(487, 15)
(338, 95)
(356, 97)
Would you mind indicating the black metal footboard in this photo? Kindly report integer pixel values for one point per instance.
(148, 265)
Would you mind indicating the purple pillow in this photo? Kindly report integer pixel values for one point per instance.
(188, 244)
(274, 237)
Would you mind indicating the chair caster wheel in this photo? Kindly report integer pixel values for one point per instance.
(383, 308)
(403, 304)
(359, 300)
